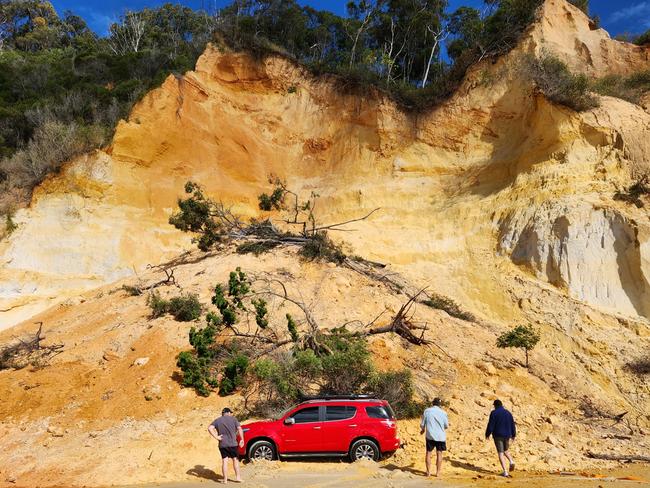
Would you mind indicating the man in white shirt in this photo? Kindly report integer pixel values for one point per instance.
(434, 422)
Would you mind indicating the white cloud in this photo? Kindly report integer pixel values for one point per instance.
(639, 12)
(101, 23)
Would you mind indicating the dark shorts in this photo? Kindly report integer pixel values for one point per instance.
(502, 443)
(228, 452)
(438, 446)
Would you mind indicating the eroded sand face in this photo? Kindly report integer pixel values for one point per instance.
(495, 168)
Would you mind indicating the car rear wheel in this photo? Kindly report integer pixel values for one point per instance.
(364, 449)
(261, 450)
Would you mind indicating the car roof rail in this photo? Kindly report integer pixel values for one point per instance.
(337, 397)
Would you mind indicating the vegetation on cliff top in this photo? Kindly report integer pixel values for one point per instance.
(63, 88)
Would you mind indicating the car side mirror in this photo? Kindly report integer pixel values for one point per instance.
(289, 421)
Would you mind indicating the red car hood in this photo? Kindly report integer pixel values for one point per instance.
(258, 424)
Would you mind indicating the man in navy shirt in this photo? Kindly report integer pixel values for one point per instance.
(501, 427)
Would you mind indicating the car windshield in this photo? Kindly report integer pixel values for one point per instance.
(278, 416)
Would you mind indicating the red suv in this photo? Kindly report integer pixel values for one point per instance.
(341, 426)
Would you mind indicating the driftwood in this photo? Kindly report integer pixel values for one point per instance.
(30, 351)
(619, 457)
(170, 279)
(403, 325)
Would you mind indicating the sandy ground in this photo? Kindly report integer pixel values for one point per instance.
(386, 474)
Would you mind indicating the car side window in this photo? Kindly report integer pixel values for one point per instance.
(309, 414)
(339, 412)
(377, 413)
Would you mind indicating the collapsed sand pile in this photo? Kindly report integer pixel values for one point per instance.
(498, 198)
(109, 410)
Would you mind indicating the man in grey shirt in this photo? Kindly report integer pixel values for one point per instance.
(225, 429)
(434, 422)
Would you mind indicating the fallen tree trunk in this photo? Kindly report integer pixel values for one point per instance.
(619, 457)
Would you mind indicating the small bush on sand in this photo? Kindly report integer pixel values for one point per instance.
(10, 225)
(184, 308)
(321, 248)
(257, 247)
(397, 387)
(134, 291)
(523, 336)
(448, 305)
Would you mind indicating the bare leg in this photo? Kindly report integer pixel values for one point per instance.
(427, 460)
(502, 460)
(235, 465)
(224, 470)
(512, 461)
(438, 463)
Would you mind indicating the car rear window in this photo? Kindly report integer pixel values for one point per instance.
(379, 412)
(339, 412)
(305, 415)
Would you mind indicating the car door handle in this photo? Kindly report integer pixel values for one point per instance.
(352, 425)
(316, 428)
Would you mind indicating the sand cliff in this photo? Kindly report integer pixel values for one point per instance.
(497, 198)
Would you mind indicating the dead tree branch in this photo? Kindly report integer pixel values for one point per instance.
(403, 325)
(31, 351)
(339, 224)
(619, 457)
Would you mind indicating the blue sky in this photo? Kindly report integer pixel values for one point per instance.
(617, 16)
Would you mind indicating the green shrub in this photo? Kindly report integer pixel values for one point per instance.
(184, 308)
(559, 85)
(10, 225)
(134, 291)
(233, 374)
(347, 368)
(261, 312)
(257, 247)
(197, 214)
(630, 88)
(273, 201)
(522, 336)
(292, 328)
(319, 247)
(199, 367)
(448, 305)
(397, 387)
(643, 39)
(158, 305)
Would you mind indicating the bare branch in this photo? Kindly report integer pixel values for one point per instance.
(339, 224)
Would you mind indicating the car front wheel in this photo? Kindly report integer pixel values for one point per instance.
(261, 450)
(364, 449)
